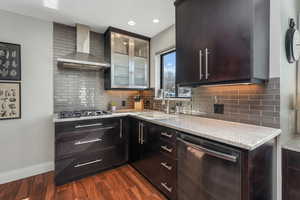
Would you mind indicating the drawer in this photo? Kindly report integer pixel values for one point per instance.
(63, 127)
(293, 159)
(85, 164)
(168, 135)
(168, 149)
(168, 186)
(89, 140)
(167, 166)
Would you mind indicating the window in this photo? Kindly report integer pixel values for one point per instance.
(168, 75)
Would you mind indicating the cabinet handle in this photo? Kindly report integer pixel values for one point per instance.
(142, 133)
(121, 128)
(88, 141)
(206, 64)
(165, 165)
(139, 133)
(88, 163)
(166, 134)
(170, 150)
(200, 65)
(169, 189)
(88, 125)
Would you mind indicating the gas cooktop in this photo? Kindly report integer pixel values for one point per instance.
(82, 113)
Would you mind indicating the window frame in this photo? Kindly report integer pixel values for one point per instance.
(162, 75)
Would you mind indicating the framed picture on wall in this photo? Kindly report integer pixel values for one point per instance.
(10, 61)
(10, 100)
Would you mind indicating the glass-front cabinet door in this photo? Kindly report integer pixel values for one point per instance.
(129, 62)
(120, 73)
(141, 63)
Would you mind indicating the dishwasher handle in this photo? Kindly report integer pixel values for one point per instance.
(210, 152)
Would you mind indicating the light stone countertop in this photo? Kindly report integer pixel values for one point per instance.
(244, 136)
(293, 144)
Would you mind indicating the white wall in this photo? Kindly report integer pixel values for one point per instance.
(27, 145)
(161, 42)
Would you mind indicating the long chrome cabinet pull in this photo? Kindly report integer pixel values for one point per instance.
(121, 128)
(170, 150)
(166, 134)
(206, 64)
(139, 132)
(165, 165)
(200, 65)
(88, 163)
(88, 125)
(142, 133)
(88, 141)
(169, 189)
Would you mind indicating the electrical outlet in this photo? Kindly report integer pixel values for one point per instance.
(123, 103)
(219, 108)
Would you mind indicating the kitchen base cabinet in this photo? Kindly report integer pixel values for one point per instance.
(290, 174)
(86, 147)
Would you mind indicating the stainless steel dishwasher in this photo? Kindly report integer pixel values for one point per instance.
(207, 170)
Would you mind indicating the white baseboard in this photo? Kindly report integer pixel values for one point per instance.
(26, 172)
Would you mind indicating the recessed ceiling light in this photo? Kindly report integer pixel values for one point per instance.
(131, 23)
(53, 4)
(155, 21)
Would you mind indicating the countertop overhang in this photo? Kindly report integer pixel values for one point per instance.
(244, 136)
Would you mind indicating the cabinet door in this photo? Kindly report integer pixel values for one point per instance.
(150, 160)
(134, 141)
(228, 36)
(140, 61)
(120, 73)
(190, 41)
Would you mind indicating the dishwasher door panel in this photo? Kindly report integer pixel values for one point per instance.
(208, 171)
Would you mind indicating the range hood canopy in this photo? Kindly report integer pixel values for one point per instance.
(82, 59)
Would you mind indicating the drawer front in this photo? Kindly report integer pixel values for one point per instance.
(87, 141)
(293, 159)
(168, 149)
(168, 185)
(84, 164)
(167, 166)
(168, 135)
(62, 127)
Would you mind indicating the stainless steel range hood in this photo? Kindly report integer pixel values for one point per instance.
(82, 59)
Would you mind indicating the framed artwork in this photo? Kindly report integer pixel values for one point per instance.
(10, 62)
(10, 100)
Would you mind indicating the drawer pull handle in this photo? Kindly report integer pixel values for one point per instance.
(88, 141)
(165, 165)
(88, 125)
(88, 163)
(166, 134)
(170, 150)
(169, 189)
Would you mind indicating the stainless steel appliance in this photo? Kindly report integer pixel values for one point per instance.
(208, 170)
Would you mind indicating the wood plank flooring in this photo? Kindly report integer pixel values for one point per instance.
(123, 183)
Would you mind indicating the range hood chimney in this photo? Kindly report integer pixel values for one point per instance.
(82, 58)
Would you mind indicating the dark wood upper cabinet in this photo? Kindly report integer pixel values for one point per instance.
(222, 41)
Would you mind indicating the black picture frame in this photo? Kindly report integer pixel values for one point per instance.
(10, 62)
(18, 97)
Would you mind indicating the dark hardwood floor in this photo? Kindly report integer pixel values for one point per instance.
(123, 183)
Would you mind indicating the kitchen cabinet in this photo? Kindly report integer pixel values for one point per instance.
(86, 147)
(290, 174)
(222, 41)
(153, 154)
(129, 57)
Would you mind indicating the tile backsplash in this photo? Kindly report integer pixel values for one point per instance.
(80, 89)
(253, 104)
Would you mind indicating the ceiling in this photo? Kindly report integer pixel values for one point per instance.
(99, 14)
